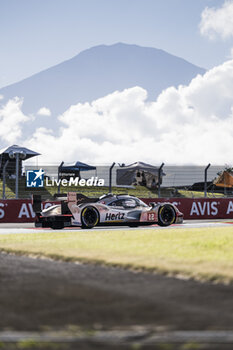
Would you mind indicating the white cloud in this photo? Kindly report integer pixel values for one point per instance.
(44, 112)
(1, 97)
(12, 120)
(231, 53)
(217, 21)
(189, 125)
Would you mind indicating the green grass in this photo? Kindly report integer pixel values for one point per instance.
(48, 191)
(199, 194)
(139, 191)
(204, 254)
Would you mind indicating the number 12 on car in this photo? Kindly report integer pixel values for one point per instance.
(151, 217)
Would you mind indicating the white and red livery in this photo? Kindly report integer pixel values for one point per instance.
(127, 210)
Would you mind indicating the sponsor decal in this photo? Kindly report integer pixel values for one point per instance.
(76, 222)
(151, 217)
(20, 210)
(26, 211)
(230, 207)
(2, 211)
(35, 178)
(204, 208)
(111, 217)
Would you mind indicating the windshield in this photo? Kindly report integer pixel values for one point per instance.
(128, 203)
(141, 203)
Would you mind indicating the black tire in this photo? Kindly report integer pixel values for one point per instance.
(166, 215)
(133, 225)
(89, 217)
(57, 225)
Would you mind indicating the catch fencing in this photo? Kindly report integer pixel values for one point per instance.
(176, 182)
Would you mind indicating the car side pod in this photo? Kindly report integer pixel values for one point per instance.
(166, 215)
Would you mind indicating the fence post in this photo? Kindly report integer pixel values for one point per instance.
(4, 180)
(58, 176)
(17, 156)
(205, 184)
(159, 179)
(17, 176)
(110, 177)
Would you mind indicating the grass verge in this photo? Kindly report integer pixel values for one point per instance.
(203, 253)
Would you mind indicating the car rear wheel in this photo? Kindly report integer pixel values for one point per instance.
(89, 217)
(57, 225)
(166, 215)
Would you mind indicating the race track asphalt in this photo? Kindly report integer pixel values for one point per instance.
(11, 228)
(38, 294)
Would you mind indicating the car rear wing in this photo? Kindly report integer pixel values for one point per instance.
(79, 198)
(37, 205)
(72, 197)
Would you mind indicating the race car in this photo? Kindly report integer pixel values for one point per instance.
(79, 210)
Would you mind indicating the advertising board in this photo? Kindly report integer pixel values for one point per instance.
(20, 210)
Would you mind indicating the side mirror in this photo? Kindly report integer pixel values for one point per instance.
(152, 204)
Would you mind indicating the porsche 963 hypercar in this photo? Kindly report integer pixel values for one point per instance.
(79, 210)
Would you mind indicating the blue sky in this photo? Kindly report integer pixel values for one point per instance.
(182, 124)
(37, 34)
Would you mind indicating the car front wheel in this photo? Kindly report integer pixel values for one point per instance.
(166, 215)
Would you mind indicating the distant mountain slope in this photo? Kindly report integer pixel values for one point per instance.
(99, 71)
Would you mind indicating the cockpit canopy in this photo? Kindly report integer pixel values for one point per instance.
(122, 201)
